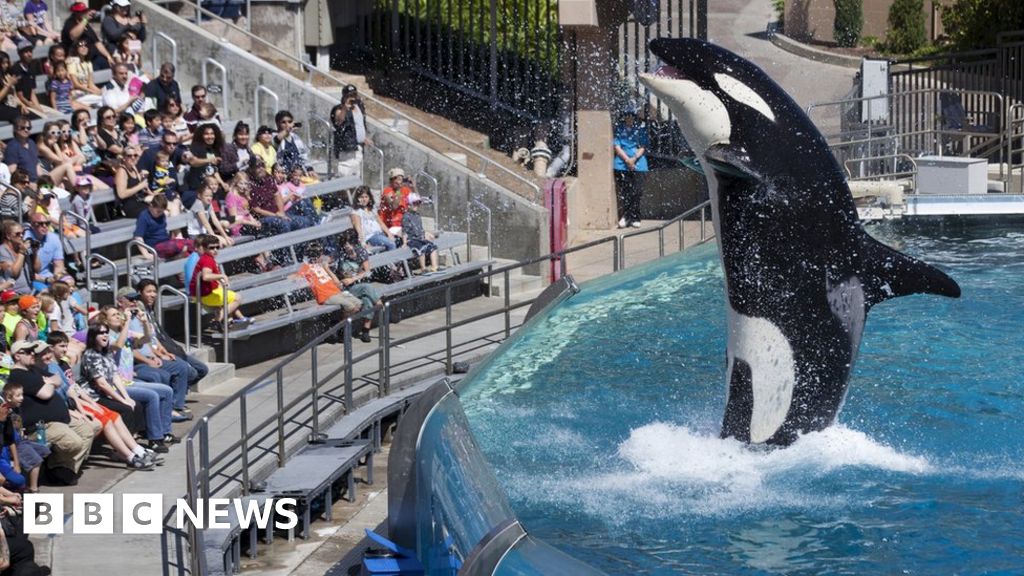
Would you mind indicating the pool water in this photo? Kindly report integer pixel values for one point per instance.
(601, 421)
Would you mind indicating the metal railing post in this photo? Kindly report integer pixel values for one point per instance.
(225, 99)
(508, 304)
(204, 457)
(661, 242)
(244, 429)
(157, 38)
(327, 144)
(225, 321)
(88, 245)
(386, 346)
(261, 89)
(349, 404)
(380, 154)
(160, 310)
(434, 193)
(279, 377)
(448, 329)
(314, 373)
(469, 231)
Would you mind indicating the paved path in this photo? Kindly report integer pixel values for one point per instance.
(739, 25)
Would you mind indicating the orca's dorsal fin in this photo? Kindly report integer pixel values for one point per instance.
(731, 160)
(891, 274)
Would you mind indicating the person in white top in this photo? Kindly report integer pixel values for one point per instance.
(366, 221)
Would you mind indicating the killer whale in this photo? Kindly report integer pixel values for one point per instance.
(800, 271)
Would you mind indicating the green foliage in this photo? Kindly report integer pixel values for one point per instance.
(976, 23)
(780, 9)
(849, 22)
(870, 41)
(906, 27)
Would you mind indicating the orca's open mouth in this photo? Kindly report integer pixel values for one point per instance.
(666, 71)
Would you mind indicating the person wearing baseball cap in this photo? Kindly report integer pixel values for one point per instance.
(394, 200)
(77, 29)
(350, 135)
(416, 237)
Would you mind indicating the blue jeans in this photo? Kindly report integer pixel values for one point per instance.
(12, 479)
(156, 400)
(381, 239)
(198, 370)
(173, 373)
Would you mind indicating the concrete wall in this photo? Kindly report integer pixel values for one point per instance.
(520, 227)
(813, 19)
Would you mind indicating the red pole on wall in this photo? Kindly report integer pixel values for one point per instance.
(558, 212)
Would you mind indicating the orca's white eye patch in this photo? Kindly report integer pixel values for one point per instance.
(744, 94)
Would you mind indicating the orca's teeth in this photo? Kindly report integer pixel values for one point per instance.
(666, 71)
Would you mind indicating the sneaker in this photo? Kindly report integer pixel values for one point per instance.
(180, 416)
(635, 224)
(365, 335)
(158, 446)
(139, 463)
(622, 222)
(154, 457)
(171, 439)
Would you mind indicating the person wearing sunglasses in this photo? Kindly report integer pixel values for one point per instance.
(15, 258)
(48, 258)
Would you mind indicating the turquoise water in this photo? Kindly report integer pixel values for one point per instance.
(602, 424)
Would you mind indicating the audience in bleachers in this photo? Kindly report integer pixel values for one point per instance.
(419, 240)
(350, 135)
(211, 285)
(77, 28)
(264, 147)
(394, 200)
(124, 91)
(132, 184)
(203, 219)
(47, 252)
(80, 70)
(14, 262)
(176, 157)
(152, 128)
(292, 152)
(234, 156)
(194, 114)
(151, 228)
(120, 23)
(204, 157)
(164, 86)
(354, 270)
(373, 231)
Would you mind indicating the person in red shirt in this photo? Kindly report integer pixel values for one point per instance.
(213, 285)
(394, 201)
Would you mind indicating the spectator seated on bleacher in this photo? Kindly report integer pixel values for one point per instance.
(152, 129)
(39, 24)
(77, 28)
(194, 116)
(325, 285)
(70, 438)
(355, 272)
(264, 147)
(129, 129)
(15, 259)
(10, 106)
(85, 134)
(23, 152)
(47, 253)
(163, 345)
(120, 22)
(27, 327)
(265, 202)
(203, 219)
(394, 200)
(176, 157)
(164, 86)
(21, 458)
(292, 152)
(107, 369)
(59, 90)
(80, 70)
(124, 91)
(151, 228)
(26, 70)
(127, 52)
(11, 203)
(234, 156)
(55, 54)
(113, 428)
(149, 366)
(372, 230)
(416, 237)
(211, 285)
(109, 143)
(131, 184)
(203, 159)
(292, 192)
(54, 158)
(80, 204)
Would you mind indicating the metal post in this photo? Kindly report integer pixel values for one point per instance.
(616, 257)
(160, 36)
(661, 242)
(225, 321)
(225, 100)
(508, 304)
(349, 405)
(204, 457)
(448, 329)
(244, 424)
(382, 344)
(469, 231)
(433, 196)
(280, 418)
(88, 243)
(313, 371)
(261, 89)
(703, 224)
(160, 310)
(386, 345)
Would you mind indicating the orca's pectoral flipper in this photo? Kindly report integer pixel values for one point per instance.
(891, 274)
(731, 160)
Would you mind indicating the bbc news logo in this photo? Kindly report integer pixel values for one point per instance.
(143, 513)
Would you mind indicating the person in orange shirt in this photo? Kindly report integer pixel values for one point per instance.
(326, 287)
(394, 201)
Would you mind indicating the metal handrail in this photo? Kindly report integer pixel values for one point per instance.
(223, 86)
(160, 309)
(157, 36)
(380, 153)
(256, 102)
(433, 196)
(327, 145)
(143, 247)
(107, 261)
(660, 230)
(894, 173)
(88, 246)
(311, 70)
(469, 220)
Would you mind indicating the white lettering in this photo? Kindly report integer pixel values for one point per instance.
(285, 507)
(219, 508)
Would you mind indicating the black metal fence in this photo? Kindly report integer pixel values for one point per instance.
(504, 52)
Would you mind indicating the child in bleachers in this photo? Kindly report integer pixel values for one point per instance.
(160, 180)
(212, 286)
(419, 240)
(80, 202)
(151, 228)
(21, 458)
(202, 218)
(59, 88)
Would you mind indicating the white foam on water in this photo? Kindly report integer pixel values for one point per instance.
(669, 471)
